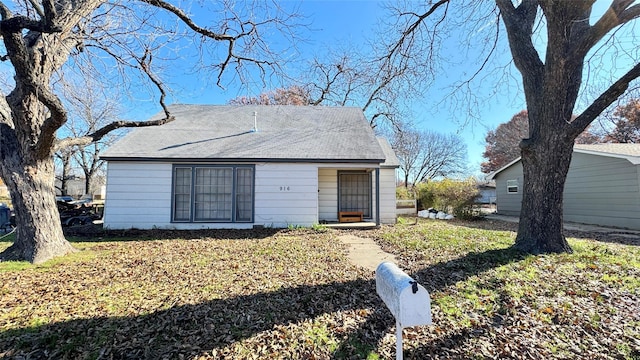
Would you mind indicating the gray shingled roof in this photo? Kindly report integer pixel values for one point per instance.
(631, 152)
(618, 149)
(224, 133)
(390, 155)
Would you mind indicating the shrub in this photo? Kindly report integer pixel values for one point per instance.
(403, 193)
(456, 197)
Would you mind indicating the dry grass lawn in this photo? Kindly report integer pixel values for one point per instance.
(292, 294)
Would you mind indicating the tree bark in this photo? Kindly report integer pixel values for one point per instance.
(39, 234)
(540, 229)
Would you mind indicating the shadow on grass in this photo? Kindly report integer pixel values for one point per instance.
(434, 278)
(603, 234)
(95, 233)
(191, 330)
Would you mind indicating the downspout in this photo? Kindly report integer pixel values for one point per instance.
(377, 196)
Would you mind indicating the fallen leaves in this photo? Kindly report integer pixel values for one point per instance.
(294, 295)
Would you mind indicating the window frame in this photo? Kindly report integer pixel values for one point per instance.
(510, 185)
(369, 187)
(234, 198)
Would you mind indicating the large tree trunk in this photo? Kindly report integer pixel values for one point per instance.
(541, 222)
(39, 234)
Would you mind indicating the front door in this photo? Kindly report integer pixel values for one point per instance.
(354, 192)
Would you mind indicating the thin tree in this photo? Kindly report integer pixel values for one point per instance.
(552, 84)
(44, 39)
(90, 108)
(63, 161)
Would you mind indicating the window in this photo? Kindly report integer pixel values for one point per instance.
(512, 186)
(213, 193)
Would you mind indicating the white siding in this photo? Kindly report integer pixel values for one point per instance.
(138, 195)
(387, 196)
(286, 194)
(328, 194)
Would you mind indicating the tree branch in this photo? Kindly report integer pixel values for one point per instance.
(188, 21)
(414, 26)
(580, 123)
(617, 14)
(519, 23)
(100, 133)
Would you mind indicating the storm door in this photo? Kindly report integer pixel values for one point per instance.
(354, 192)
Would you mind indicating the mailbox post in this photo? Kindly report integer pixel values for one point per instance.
(407, 300)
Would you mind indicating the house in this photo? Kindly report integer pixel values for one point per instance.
(487, 193)
(245, 166)
(602, 187)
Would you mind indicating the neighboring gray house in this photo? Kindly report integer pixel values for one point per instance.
(241, 166)
(602, 187)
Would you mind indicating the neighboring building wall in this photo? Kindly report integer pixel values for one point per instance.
(602, 190)
(599, 190)
(487, 195)
(509, 203)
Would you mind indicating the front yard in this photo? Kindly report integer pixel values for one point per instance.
(292, 294)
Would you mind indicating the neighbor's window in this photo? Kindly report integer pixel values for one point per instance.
(512, 186)
(213, 194)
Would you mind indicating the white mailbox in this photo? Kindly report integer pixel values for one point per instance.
(407, 300)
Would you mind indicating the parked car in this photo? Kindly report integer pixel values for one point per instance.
(7, 219)
(73, 213)
(64, 198)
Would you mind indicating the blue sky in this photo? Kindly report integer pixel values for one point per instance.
(337, 23)
(345, 23)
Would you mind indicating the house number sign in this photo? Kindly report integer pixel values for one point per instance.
(285, 188)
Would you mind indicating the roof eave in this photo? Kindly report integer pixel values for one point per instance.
(235, 160)
(635, 160)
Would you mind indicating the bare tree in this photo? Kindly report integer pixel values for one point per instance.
(353, 78)
(63, 158)
(90, 107)
(45, 39)
(571, 36)
(425, 155)
(293, 95)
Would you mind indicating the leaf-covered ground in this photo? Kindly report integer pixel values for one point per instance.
(294, 295)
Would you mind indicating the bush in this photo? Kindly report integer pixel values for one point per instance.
(403, 193)
(425, 195)
(456, 197)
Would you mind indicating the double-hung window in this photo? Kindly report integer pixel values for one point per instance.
(213, 193)
(512, 186)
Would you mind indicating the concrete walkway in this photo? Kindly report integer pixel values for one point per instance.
(577, 226)
(364, 252)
